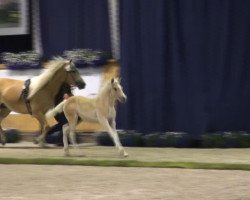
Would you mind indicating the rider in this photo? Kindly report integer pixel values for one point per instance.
(55, 134)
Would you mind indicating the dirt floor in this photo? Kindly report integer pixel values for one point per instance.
(42, 182)
(54, 182)
(90, 151)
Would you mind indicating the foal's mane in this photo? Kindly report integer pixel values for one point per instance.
(41, 80)
(105, 89)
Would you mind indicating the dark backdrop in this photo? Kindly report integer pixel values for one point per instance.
(185, 65)
(68, 24)
(17, 43)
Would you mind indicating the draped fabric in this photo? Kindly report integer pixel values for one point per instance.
(67, 24)
(15, 43)
(185, 65)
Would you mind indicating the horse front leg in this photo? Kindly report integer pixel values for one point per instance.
(111, 128)
(69, 130)
(65, 139)
(4, 112)
(44, 129)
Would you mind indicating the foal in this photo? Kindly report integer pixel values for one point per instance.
(100, 109)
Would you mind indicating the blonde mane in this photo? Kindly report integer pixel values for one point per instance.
(104, 86)
(40, 81)
(105, 94)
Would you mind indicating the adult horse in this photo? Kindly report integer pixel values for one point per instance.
(36, 95)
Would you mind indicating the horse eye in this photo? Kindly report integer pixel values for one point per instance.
(115, 89)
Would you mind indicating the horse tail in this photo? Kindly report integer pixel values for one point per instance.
(54, 111)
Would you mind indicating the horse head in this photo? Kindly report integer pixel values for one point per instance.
(73, 76)
(58, 68)
(117, 91)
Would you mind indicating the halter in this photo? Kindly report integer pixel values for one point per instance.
(70, 73)
(73, 78)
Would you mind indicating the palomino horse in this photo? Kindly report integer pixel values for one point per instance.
(100, 109)
(38, 98)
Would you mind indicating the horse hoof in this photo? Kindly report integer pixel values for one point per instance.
(125, 154)
(36, 141)
(66, 153)
(41, 144)
(3, 140)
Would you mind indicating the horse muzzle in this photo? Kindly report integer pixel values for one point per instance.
(80, 85)
(123, 99)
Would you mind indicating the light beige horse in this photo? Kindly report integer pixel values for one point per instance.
(41, 93)
(100, 109)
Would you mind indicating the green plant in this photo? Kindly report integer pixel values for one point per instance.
(12, 136)
(131, 138)
(127, 138)
(226, 140)
(167, 139)
(242, 138)
(104, 139)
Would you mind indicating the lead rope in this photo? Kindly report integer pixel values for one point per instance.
(24, 95)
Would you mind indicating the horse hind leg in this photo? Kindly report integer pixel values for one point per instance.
(72, 135)
(4, 112)
(72, 122)
(65, 139)
(68, 130)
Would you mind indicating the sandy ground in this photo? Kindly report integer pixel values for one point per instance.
(88, 151)
(42, 182)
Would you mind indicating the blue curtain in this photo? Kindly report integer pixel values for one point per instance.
(67, 24)
(185, 65)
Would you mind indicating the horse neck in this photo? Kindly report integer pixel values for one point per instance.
(105, 98)
(55, 83)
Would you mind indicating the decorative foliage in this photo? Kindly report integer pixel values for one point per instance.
(134, 139)
(84, 57)
(167, 139)
(104, 139)
(12, 136)
(226, 140)
(127, 138)
(131, 138)
(179, 139)
(22, 60)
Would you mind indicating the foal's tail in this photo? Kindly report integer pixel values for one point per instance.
(54, 111)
